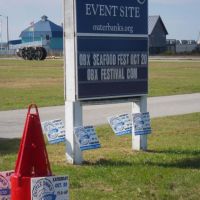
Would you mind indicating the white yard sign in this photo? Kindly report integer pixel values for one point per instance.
(50, 188)
(86, 137)
(121, 124)
(141, 123)
(54, 130)
(5, 185)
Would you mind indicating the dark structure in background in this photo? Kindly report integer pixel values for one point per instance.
(157, 35)
(32, 53)
(39, 40)
(44, 31)
(15, 42)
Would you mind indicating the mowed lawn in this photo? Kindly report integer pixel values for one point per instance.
(24, 82)
(176, 77)
(169, 170)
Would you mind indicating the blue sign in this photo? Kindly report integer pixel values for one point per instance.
(50, 188)
(54, 130)
(141, 123)
(5, 188)
(121, 124)
(86, 138)
(112, 48)
(112, 16)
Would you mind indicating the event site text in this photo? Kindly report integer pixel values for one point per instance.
(112, 10)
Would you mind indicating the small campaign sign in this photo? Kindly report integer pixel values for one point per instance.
(54, 130)
(141, 123)
(86, 137)
(121, 124)
(5, 185)
(51, 187)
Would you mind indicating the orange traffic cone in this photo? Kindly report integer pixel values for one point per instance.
(32, 158)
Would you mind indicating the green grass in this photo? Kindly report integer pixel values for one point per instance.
(24, 82)
(169, 170)
(170, 78)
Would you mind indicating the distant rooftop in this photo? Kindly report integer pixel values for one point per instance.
(152, 22)
(44, 26)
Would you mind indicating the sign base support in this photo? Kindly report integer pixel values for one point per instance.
(73, 118)
(139, 142)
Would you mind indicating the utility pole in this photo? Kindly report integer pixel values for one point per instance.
(6, 17)
(7, 33)
(1, 34)
(198, 38)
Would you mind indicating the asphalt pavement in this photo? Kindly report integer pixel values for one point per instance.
(12, 122)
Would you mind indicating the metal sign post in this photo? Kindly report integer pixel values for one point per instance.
(106, 58)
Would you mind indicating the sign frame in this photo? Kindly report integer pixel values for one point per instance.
(91, 35)
(74, 104)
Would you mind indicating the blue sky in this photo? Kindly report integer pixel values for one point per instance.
(181, 17)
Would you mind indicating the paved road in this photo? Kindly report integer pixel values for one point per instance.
(175, 58)
(12, 122)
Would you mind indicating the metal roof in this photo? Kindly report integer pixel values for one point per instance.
(153, 20)
(43, 27)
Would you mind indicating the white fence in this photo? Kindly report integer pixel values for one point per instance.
(180, 48)
(10, 52)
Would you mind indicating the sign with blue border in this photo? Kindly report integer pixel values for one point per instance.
(5, 188)
(112, 67)
(141, 123)
(51, 187)
(112, 16)
(54, 130)
(112, 48)
(121, 124)
(86, 137)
